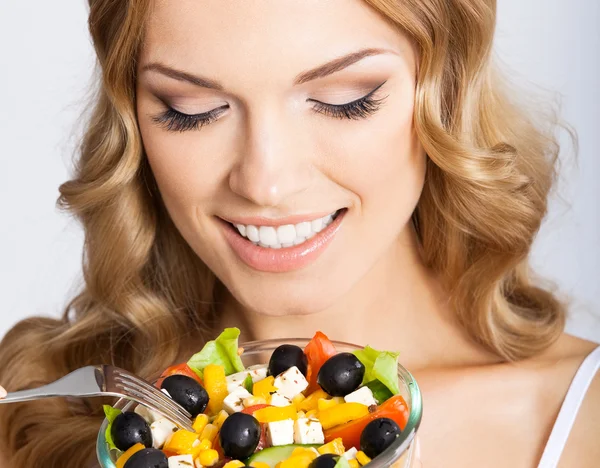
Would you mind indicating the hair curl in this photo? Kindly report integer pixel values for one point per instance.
(491, 165)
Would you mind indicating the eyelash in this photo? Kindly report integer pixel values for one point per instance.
(361, 108)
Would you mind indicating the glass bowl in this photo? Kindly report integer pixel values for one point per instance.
(398, 455)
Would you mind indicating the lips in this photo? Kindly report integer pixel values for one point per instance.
(268, 248)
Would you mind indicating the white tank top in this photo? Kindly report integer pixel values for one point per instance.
(568, 411)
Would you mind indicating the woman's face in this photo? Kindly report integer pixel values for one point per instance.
(244, 112)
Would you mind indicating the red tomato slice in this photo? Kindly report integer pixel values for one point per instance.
(179, 369)
(395, 408)
(317, 351)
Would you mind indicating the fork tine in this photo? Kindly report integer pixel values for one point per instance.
(150, 390)
(172, 416)
(162, 399)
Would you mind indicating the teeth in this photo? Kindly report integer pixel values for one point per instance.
(284, 236)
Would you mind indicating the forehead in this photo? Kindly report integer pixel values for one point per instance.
(268, 40)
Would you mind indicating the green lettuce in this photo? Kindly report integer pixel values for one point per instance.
(248, 383)
(342, 463)
(111, 414)
(380, 365)
(222, 351)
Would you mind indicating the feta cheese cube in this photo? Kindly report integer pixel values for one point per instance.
(234, 402)
(257, 373)
(161, 430)
(181, 461)
(308, 431)
(290, 383)
(148, 414)
(363, 395)
(280, 400)
(281, 432)
(350, 454)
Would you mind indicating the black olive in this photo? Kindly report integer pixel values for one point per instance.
(239, 435)
(341, 374)
(148, 458)
(378, 435)
(286, 356)
(130, 428)
(187, 392)
(327, 460)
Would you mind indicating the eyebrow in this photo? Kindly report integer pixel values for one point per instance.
(321, 71)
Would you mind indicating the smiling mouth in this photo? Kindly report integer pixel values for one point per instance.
(287, 235)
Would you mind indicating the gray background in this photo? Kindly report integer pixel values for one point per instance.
(45, 67)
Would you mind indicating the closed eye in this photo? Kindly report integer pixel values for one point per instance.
(175, 121)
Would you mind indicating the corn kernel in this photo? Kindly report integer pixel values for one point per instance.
(220, 419)
(259, 464)
(362, 458)
(208, 457)
(353, 463)
(128, 454)
(234, 464)
(311, 414)
(209, 432)
(200, 422)
(202, 445)
(336, 446)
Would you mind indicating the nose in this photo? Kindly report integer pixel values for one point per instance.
(274, 162)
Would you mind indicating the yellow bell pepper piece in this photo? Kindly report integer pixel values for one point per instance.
(181, 442)
(311, 414)
(128, 454)
(200, 423)
(310, 402)
(263, 388)
(341, 414)
(234, 464)
(258, 464)
(276, 413)
(354, 463)
(297, 400)
(336, 446)
(323, 404)
(216, 387)
(362, 458)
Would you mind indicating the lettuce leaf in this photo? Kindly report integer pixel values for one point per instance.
(248, 383)
(380, 365)
(111, 414)
(222, 351)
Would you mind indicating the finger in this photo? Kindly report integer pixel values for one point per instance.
(2, 392)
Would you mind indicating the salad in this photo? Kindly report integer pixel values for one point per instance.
(306, 408)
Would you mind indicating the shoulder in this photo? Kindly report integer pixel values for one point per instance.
(582, 448)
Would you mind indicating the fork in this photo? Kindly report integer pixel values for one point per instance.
(103, 380)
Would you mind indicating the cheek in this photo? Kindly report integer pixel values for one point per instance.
(384, 165)
(186, 168)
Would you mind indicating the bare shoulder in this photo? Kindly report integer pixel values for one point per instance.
(582, 449)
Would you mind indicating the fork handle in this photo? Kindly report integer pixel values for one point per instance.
(34, 394)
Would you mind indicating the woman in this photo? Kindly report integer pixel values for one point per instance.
(352, 166)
